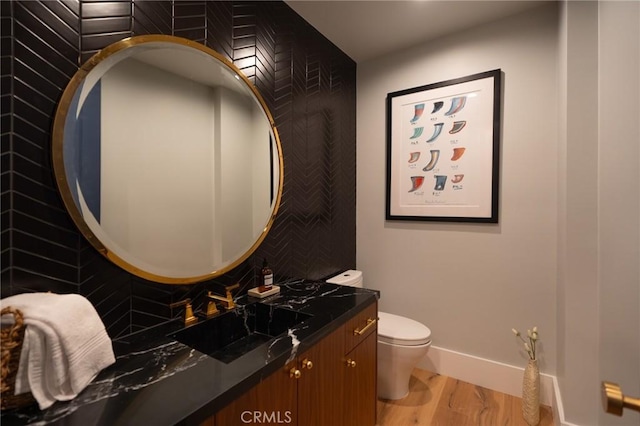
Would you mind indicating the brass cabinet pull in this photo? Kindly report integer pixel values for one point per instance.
(614, 401)
(370, 323)
(306, 363)
(351, 363)
(294, 373)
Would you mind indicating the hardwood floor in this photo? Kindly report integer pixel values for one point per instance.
(436, 400)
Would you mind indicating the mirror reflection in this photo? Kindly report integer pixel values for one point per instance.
(167, 159)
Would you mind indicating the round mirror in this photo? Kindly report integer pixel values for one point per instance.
(167, 159)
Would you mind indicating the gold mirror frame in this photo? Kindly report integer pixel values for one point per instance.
(58, 138)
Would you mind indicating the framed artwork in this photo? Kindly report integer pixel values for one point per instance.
(443, 150)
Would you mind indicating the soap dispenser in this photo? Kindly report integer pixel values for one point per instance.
(265, 287)
(266, 277)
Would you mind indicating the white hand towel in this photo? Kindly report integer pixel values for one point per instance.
(65, 346)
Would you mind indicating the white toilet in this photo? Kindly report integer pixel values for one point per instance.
(402, 343)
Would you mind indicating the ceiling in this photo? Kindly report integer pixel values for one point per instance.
(367, 29)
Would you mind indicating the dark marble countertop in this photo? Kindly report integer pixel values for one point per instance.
(159, 381)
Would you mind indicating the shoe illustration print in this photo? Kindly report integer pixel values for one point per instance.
(457, 126)
(440, 181)
(414, 156)
(416, 183)
(437, 128)
(419, 109)
(435, 155)
(457, 153)
(457, 104)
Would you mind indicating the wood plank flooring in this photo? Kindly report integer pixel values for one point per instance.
(436, 400)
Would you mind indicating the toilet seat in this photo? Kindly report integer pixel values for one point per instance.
(397, 330)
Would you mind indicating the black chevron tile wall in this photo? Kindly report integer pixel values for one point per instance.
(307, 83)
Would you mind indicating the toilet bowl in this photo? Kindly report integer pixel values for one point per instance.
(402, 343)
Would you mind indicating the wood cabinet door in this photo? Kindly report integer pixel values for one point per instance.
(320, 388)
(361, 326)
(360, 373)
(271, 402)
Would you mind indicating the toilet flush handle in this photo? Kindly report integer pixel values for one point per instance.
(370, 323)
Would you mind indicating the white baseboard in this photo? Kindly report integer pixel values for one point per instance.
(558, 410)
(483, 372)
(493, 375)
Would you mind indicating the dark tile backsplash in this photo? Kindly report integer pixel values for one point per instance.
(308, 84)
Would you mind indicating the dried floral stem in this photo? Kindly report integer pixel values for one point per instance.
(529, 342)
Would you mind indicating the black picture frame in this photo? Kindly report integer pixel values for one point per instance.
(443, 150)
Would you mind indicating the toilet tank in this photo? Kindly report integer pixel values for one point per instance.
(351, 278)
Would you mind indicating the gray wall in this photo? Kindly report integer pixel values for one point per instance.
(619, 200)
(471, 283)
(599, 279)
(565, 254)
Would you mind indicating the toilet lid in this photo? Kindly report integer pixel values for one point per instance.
(399, 330)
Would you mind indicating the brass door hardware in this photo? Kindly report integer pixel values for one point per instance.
(614, 401)
(351, 363)
(294, 373)
(370, 323)
(189, 318)
(306, 363)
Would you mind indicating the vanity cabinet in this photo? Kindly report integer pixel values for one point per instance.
(321, 388)
(331, 383)
(272, 401)
(360, 365)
